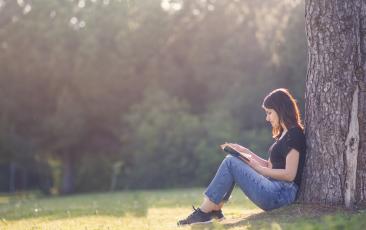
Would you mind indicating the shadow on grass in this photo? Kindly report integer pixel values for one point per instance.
(276, 219)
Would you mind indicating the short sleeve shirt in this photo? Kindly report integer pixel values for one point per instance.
(293, 139)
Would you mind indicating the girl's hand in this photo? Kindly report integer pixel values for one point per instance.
(241, 149)
(253, 163)
(224, 145)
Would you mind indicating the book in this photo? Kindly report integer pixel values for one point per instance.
(243, 156)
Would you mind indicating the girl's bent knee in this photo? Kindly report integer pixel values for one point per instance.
(232, 160)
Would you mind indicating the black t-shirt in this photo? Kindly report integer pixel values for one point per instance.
(293, 139)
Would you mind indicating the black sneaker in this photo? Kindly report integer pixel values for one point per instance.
(197, 217)
(217, 215)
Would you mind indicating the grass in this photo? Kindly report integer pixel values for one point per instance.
(160, 209)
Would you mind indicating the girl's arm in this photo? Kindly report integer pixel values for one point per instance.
(255, 157)
(287, 174)
(262, 161)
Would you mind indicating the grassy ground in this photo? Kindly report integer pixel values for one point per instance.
(160, 210)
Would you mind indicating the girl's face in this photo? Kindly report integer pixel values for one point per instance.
(272, 117)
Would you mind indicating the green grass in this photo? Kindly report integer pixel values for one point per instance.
(160, 209)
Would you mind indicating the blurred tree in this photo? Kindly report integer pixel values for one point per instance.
(161, 140)
(70, 69)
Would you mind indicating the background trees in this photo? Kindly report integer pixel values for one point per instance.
(99, 95)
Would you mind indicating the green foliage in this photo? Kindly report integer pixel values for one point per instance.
(219, 127)
(162, 139)
(94, 173)
(77, 79)
(258, 140)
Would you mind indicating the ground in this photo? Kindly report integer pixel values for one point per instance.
(160, 209)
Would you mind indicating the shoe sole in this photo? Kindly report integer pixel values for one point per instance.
(205, 222)
(197, 223)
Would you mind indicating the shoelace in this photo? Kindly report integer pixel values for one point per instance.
(195, 211)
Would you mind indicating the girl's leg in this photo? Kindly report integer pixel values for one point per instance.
(209, 206)
(228, 193)
(261, 190)
(226, 197)
(266, 193)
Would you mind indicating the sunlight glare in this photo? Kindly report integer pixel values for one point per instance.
(53, 14)
(27, 9)
(196, 12)
(14, 19)
(73, 20)
(211, 7)
(82, 24)
(292, 3)
(81, 4)
(20, 3)
(171, 5)
(76, 23)
(2, 3)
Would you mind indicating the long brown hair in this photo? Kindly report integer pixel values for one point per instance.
(281, 101)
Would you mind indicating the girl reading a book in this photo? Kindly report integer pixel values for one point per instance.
(271, 183)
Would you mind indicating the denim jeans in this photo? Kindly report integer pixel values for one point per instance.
(265, 192)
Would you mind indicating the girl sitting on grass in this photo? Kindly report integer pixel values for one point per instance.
(271, 183)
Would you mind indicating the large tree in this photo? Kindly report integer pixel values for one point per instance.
(335, 102)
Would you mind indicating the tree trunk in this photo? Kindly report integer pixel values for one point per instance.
(361, 161)
(12, 173)
(67, 173)
(24, 178)
(335, 121)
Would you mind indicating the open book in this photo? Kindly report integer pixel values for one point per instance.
(243, 156)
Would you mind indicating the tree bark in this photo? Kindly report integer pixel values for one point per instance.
(335, 170)
(361, 163)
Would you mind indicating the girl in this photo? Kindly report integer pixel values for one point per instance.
(271, 183)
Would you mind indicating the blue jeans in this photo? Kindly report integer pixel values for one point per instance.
(265, 192)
